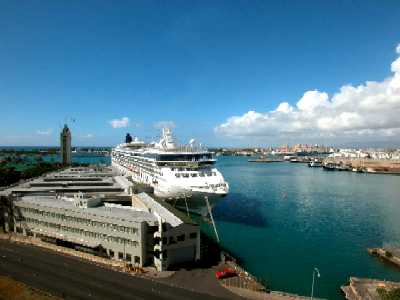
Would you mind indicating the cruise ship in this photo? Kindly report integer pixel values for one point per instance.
(175, 172)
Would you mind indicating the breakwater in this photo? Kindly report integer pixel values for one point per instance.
(366, 165)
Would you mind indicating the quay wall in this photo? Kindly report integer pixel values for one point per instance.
(374, 164)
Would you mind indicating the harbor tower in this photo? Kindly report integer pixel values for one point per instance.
(65, 145)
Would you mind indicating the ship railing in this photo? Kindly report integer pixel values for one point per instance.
(187, 148)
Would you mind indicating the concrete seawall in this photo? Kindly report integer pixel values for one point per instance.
(368, 165)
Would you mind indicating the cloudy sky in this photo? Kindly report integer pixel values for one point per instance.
(369, 112)
(228, 73)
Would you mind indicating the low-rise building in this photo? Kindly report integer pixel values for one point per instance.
(110, 230)
(149, 232)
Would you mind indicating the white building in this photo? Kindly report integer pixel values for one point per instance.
(143, 235)
(73, 208)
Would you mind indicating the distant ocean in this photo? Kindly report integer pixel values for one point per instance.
(82, 158)
(29, 148)
(91, 158)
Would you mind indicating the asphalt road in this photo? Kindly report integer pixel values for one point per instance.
(72, 278)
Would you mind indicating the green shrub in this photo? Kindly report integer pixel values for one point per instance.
(393, 294)
(388, 254)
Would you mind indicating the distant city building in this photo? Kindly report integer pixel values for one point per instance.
(375, 154)
(65, 145)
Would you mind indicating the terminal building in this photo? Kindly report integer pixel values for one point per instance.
(82, 208)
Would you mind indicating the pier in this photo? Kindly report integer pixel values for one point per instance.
(390, 255)
(368, 289)
(375, 166)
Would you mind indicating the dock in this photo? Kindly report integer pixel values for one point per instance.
(265, 160)
(373, 166)
(248, 286)
(368, 289)
(391, 255)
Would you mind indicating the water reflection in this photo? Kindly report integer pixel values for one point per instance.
(237, 208)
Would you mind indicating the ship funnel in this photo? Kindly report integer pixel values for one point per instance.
(128, 138)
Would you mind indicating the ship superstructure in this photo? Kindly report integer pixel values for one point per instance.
(174, 171)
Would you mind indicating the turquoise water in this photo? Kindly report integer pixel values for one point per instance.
(83, 159)
(283, 219)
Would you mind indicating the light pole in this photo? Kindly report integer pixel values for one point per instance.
(315, 271)
(187, 208)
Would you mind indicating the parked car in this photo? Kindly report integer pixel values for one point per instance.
(225, 273)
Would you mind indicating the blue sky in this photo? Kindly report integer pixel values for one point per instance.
(194, 63)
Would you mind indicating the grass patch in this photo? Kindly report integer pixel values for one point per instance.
(11, 289)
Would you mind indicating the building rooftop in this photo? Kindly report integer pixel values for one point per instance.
(166, 211)
(156, 207)
(53, 190)
(110, 213)
(73, 180)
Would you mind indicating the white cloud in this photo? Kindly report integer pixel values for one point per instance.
(44, 132)
(119, 123)
(313, 100)
(87, 136)
(164, 124)
(371, 109)
(284, 107)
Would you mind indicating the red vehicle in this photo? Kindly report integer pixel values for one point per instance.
(225, 273)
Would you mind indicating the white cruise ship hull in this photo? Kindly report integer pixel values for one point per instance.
(175, 172)
(176, 194)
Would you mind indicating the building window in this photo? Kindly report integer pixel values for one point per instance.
(111, 253)
(120, 255)
(137, 260)
(180, 238)
(128, 257)
(193, 235)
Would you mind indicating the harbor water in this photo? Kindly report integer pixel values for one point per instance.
(81, 158)
(283, 219)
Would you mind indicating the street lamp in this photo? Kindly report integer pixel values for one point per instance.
(315, 271)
